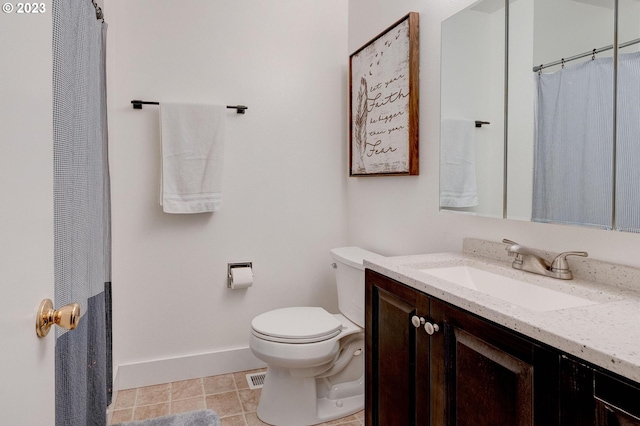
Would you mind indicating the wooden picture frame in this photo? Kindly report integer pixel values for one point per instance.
(383, 102)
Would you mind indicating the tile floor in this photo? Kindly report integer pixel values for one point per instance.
(228, 395)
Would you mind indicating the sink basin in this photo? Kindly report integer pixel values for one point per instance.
(526, 295)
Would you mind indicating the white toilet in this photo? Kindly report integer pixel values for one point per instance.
(315, 360)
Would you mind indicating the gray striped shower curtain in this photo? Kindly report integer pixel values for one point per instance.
(82, 219)
(573, 152)
(573, 164)
(628, 144)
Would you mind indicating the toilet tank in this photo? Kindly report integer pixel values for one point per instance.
(349, 272)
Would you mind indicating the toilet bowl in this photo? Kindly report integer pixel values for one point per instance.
(315, 359)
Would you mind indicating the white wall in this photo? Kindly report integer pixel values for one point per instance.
(563, 28)
(284, 185)
(399, 215)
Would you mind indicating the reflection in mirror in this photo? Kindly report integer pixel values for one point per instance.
(627, 115)
(560, 134)
(472, 89)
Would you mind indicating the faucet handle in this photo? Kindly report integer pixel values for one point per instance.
(509, 248)
(560, 263)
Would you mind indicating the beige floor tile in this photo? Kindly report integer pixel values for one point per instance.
(150, 411)
(225, 404)
(186, 389)
(250, 399)
(345, 420)
(185, 405)
(237, 420)
(120, 416)
(126, 399)
(253, 420)
(153, 394)
(218, 384)
(241, 379)
(227, 394)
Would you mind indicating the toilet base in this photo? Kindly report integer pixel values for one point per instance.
(302, 401)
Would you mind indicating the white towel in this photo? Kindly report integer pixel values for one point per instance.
(192, 157)
(458, 164)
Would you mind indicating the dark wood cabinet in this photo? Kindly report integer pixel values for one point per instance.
(492, 376)
(576, 390)
(617, 402)
(397, 357)
(591, 396)
(462, 369)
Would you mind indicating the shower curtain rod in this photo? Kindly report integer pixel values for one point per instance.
(582, 55)
(240, 109)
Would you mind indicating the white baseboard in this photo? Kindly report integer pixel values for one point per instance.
(187, 367)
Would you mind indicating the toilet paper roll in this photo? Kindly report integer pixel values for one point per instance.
(241, 278)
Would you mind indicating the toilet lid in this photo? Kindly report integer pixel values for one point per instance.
(296, 325)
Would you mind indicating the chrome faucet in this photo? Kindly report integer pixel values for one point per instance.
(527, 260)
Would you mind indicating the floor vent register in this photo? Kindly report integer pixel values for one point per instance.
(256, 380)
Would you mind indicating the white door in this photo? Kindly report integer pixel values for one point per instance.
(26, 216)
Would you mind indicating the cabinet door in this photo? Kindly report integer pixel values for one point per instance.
(576, 388)
(397, 375)
(492, 376)
(617, 402)
(609, 415)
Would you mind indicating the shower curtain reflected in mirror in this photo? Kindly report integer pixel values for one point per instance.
(574, 148)
(573, 153)
(628, 144)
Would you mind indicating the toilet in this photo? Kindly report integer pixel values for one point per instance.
(315, 360)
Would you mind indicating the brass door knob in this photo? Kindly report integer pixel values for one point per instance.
(66, 317)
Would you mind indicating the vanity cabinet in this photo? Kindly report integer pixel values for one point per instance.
(397, 388)
(491, 376)
(617, 402)
(593, 397)
(470, 371)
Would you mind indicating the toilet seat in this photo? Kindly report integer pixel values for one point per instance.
(296, 325)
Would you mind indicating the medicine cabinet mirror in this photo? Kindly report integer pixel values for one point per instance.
(550, 155)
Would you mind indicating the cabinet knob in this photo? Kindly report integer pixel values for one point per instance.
(431, 328)
(417, 321)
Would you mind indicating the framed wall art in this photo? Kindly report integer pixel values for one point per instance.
(383, 110)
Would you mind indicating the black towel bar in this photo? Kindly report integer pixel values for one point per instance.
(240, 109)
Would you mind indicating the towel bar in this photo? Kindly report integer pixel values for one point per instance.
(240, 109)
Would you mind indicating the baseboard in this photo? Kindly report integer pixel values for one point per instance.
(187, 367)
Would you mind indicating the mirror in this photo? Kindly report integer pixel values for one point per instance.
(472, 89)
(559, 165)
(572, 155)
(627, 200)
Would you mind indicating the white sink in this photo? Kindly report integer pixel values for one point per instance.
(526, 295)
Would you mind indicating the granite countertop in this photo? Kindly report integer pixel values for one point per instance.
(606, 333)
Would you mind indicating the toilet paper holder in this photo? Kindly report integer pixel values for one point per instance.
(230, 266)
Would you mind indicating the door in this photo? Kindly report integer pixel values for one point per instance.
(397, 353)
(492, 376)
(26, 216)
